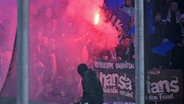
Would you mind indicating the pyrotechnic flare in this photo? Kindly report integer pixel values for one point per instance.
(96, 18)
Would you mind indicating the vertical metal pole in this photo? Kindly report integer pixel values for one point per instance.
(139, 51)
(22, 53)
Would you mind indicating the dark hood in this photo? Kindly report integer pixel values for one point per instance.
(82, 68)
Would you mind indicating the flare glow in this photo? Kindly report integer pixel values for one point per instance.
(96, 18)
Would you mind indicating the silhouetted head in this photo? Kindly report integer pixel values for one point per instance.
(173, 5)
(128, 3)
(182, 18)
(81, 69)
(157, 17)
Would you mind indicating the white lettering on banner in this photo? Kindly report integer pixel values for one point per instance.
(112, 83)
(123, 103)
(166, 96)
(104, 65)
(111, 80)
(112, 90)
(152, 97)
(163, 88)
(125, 65)
(128, 94)
(111, 65)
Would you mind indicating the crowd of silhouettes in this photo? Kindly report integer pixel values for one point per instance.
(168, 22)
(51, 71)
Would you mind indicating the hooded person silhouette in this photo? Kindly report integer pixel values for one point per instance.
(91, 86)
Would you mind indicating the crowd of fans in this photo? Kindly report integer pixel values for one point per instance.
(46, 52)
(168, 23)
(46, 55)
(124, 50)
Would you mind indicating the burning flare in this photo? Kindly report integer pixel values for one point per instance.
(96, 18)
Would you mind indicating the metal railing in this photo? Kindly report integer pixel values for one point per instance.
(22, 52)
(139, 51)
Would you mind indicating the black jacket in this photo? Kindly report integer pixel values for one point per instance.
(92, 89)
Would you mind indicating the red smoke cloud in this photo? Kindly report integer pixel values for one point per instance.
(71, 25)
(83, 13)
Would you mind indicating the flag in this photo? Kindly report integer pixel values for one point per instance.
(163, 48)
(132, 30)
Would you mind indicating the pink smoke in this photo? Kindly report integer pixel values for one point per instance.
(71, 26)
(83, 13)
